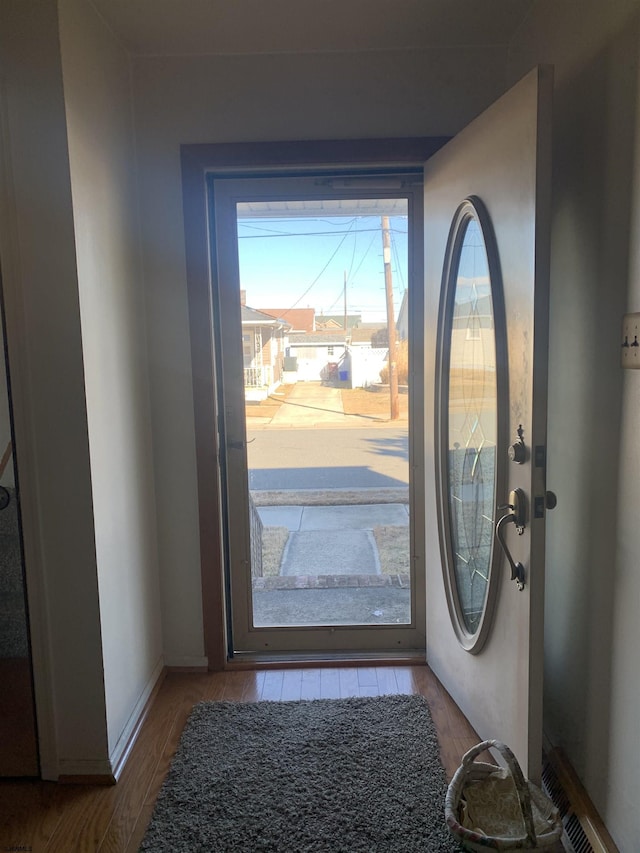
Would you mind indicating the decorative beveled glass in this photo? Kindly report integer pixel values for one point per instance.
(469, 424)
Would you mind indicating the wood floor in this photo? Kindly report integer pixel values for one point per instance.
(44, 816)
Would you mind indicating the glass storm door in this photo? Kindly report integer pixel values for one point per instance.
(315, 306)
(486, 328)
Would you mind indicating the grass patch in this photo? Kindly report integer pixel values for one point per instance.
(360, 401)
(393, 547)
(273, 541)
(402, 364)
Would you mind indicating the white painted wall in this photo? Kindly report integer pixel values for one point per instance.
(97, 89)
(244, 98)
(592, 679)
(41, 294)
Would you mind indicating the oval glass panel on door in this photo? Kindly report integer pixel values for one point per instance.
(470, 420)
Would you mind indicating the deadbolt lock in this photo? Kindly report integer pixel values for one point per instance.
(518, 451)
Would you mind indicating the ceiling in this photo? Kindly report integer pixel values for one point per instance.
(193, 27)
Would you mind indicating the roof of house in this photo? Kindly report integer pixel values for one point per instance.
(251, 317)
(331, 338)
(317, 338)
(363, 335)
(302, 319)
(338, 320)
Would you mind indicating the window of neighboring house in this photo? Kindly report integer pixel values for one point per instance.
(329, 350)
(247, 350)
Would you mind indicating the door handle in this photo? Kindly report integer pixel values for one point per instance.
(516, 516)
(238, 444)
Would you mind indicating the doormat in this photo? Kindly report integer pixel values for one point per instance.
(357, 775)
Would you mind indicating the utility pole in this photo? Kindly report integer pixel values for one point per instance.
(345, 363)
(344, 287)
(391, 320)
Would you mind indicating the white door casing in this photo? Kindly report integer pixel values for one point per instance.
(502, 158)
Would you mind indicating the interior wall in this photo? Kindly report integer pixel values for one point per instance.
(256, 98)
(97, 89)
(43, 330)
(592, 633)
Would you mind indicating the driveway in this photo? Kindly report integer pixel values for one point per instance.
(310, 404)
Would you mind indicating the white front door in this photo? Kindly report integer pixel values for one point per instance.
(486, 332)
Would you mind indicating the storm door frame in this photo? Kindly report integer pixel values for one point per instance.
(200, 163)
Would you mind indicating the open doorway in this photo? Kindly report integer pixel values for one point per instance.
(201, 166)
(315, 311)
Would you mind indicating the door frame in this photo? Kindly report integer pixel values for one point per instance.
(198, 163)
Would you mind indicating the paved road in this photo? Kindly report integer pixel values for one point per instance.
(328, 458)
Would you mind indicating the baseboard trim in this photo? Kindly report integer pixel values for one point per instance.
(583, 828)
(195, 664)
(90, 772)
(187, 669)
(325, 661)
(101, 779)
(134, 724)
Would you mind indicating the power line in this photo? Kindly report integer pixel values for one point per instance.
(353, 254)
(316, 279)
(362, 260)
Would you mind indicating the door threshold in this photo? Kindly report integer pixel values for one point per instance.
(289, 660)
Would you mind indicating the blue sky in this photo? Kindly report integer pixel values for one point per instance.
(300, 262)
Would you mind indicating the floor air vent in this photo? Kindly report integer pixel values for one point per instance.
(584, 831)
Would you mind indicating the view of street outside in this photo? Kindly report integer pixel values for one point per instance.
(323, 292)
(328, 472)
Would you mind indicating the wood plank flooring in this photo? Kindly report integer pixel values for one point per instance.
(44, 817)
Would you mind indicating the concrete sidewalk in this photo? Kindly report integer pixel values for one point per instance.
(355, 517)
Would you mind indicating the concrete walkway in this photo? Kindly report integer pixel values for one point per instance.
(333, 552)
(330, 571)
(332, 540)
(311, 404)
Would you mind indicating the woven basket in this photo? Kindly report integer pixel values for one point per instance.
(488, 808)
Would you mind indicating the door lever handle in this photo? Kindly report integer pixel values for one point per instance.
(517, 517)
(517, 569)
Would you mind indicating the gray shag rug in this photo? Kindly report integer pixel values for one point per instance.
(355, 775)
